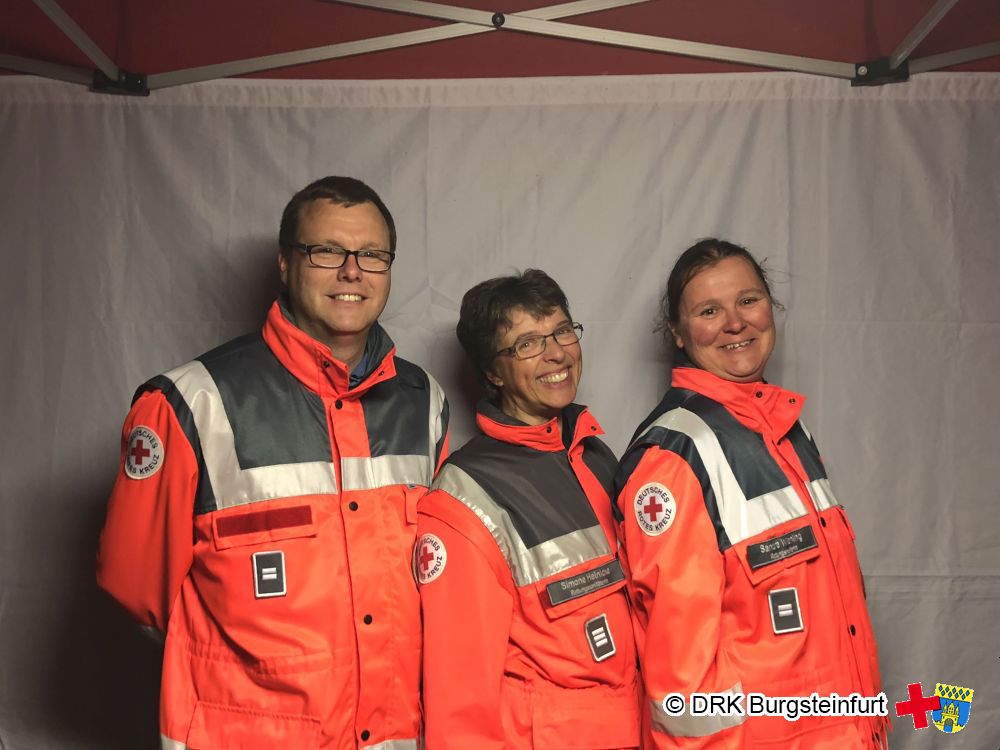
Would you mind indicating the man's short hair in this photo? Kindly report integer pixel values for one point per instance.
(343, 191)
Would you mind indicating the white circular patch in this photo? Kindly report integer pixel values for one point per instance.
(655, 508)
(429, 558)
(144, 454)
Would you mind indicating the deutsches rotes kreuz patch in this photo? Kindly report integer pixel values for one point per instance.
(144, 454)
(429, 558)
(655, 508)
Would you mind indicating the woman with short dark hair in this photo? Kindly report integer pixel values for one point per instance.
(527, 637)
(744, 577)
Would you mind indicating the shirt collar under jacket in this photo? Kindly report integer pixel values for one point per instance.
(313, 364)
(578, 423)
(761, 406)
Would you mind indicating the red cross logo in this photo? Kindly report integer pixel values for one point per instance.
(139, 452)
(918, 705)
(426, 556)
(652, 509)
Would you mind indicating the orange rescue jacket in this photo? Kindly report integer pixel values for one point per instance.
(743, 572)
(527, 638)
(263, 519)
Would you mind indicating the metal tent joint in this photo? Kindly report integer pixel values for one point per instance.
(126, 84)
(879, 72)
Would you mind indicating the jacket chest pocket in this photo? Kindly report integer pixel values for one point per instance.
(560, 595)
(272, 524)
(777, 567)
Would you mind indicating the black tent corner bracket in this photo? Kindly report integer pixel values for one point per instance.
(127, 84)
(878, 72)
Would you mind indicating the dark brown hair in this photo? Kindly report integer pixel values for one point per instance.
(343, 191)
(485, 313)
(701, 255)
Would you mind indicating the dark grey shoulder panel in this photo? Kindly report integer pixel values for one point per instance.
(755, 470)
(397, 413)
(275, 419)
(537, 489)
(204, 497)
(808, 453)
(601, 461)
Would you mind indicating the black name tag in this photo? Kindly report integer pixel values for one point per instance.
(774, 550)
(585, 583)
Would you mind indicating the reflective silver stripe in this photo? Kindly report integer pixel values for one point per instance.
(168, 744)
(822, 494)
(527, 565)
(435, 409)
(686, 725)
(384, 471)
(393, 745)
(741, 517)
(231, 484)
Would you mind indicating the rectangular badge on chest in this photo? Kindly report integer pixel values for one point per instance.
(602, 645)
(786, 617)
(268, 574)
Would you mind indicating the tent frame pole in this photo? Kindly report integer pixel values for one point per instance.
(363, 46)
(920, 31)
(524, 23)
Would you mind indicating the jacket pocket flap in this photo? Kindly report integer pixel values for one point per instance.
(262, 526)
(216, 726)
(767, 555)
(567, 592)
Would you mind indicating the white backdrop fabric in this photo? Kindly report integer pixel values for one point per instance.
(138, 233)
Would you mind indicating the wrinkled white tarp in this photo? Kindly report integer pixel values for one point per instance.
(137, 233)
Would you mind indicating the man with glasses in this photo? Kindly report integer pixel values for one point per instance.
(265, 509)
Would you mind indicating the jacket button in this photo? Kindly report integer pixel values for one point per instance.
(853, 631)
(549, 428)
(339, 404)
(352, 505)
(365, 734)
(326, 363)
(822, 522)
(368, 619)
(759, 394)
(791, 400)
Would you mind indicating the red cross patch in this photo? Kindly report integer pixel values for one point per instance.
(655, 508)
(144, 453)
(429, 558)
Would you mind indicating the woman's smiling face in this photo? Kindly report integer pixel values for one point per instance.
(725, 323)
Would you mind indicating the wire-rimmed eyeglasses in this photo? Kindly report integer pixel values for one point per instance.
(532, 346)
(331, 256)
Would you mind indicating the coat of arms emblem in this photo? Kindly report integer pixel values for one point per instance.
(956, 704)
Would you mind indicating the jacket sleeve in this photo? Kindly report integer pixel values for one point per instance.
(467, 614)
(146, 545)
(676, 588)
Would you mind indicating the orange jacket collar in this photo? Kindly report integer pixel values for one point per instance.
(313, 364)
(761, 406)
(541, 437)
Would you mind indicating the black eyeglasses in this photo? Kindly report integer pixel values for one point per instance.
(331, 256)
(532, 346)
